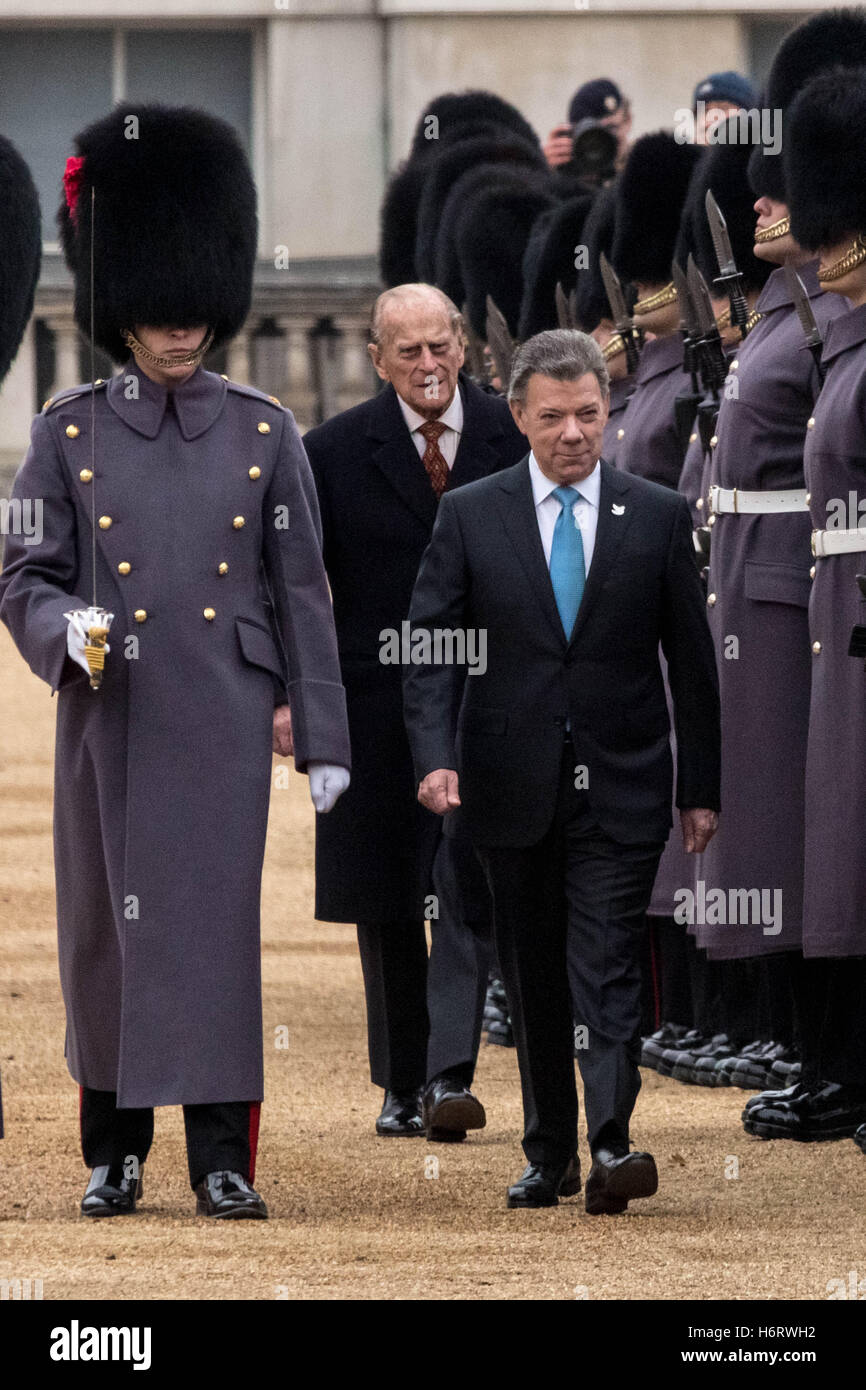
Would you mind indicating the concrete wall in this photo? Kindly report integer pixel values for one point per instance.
(339, 85)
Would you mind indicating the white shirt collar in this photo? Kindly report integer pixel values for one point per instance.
(452, 418)
(542, 487)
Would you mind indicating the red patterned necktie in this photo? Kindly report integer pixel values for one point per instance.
(433, 459)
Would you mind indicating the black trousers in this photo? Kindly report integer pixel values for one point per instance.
(830, 1010)
(218, 1137)
(424, 1017)
(569, 923)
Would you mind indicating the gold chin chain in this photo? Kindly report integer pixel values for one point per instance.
(191, 359)
(724, 321)
(852, 258)
(657, 301)
(778, 229)
(613, 347)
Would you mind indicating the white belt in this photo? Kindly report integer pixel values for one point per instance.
(838, 542)
(736, 499)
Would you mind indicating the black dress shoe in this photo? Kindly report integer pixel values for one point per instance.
(542, 1185)
(615, 1179)
(825, 1111)
(779, 1095)
(401, 1114)
(230, 1197)
(449, 1109)
(496, 1020)
(681, 1051)
(697, 1066)
(669, 1035)
(109, 1193)
(754, 1069)
(859, 1138)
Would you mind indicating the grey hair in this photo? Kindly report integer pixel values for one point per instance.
(561, 353)
(413, 294)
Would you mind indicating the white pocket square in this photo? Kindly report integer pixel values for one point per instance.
(617, 509)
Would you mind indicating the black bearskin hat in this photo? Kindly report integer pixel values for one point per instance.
(722, 171)
(651, 192)
(20, 251)
(592, 305)
(459, 116)
(825, 167)
(442, 173)
(549, 259)
(175, 224)
(491, 238)
(833, 37)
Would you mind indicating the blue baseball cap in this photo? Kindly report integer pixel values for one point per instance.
(726, 86)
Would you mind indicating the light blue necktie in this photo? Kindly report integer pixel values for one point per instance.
(567, 565)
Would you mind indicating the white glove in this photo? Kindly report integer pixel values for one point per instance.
(327, 782)
(77, 634)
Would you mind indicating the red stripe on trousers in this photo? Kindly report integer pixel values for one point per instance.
(255, 1112)
(654, 972)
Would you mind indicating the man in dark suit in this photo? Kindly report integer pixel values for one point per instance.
(561, 765)
(380, 469)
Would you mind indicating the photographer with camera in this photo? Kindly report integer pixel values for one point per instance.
(593, 145)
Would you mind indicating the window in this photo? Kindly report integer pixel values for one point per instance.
(55, 82)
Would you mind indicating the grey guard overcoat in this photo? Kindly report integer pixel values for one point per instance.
(620, 390)
(162, 776)
(834, 902)
(758, 593)
(648, 445)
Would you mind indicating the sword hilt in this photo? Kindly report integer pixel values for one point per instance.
(733, 287)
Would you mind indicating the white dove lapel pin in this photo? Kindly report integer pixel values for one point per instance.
(617, 509)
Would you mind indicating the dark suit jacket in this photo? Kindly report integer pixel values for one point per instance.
(374, 849)
(485, 569)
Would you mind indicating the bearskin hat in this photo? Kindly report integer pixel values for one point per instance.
(20, 251)
(834, 37)
(722, 171)
(175, 226)
(491, 238)
(442, 173)
(651, 193)
(825, 167)
(550, 259)
(458, 116)
(592, 305)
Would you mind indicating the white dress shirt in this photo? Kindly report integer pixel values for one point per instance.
(452, 419)
(585, 509)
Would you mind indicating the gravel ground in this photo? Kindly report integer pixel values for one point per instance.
(353, 1216)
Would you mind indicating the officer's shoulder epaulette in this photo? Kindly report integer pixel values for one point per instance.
(252, 391)
(70, 394)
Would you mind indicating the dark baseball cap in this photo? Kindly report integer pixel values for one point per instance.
(596, 99)
(726, 86)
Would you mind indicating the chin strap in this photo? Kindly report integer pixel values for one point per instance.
(191, 359)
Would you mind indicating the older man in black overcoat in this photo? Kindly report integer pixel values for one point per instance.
(380, 469)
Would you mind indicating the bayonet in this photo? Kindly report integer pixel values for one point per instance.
(474, 350)
(802, 303)
(688, 323)
(623, 320)
(710, 347)
(563, 308)
(500, 342)
(729, 278)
